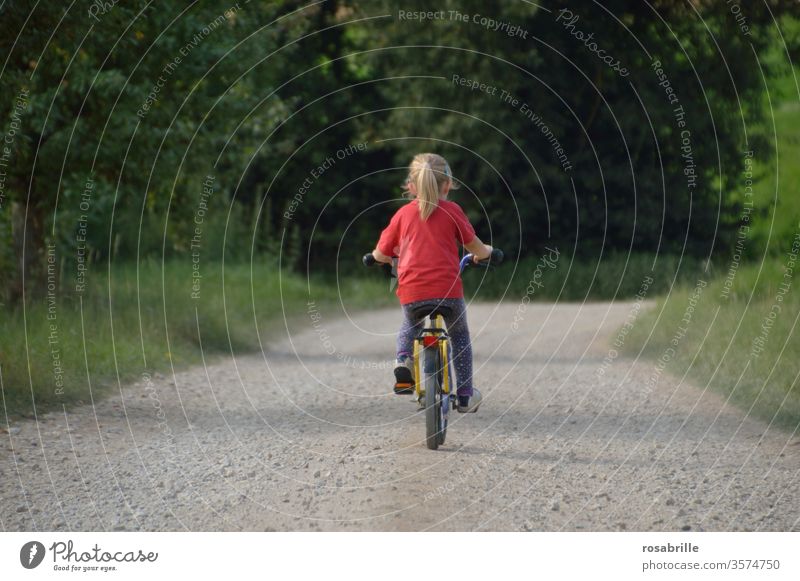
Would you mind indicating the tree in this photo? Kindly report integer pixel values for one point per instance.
(564, 126)
(128, 109)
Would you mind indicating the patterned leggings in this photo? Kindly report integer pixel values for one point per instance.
(458, 330)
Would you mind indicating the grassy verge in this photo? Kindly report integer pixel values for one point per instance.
(732, 344)
(145, 320)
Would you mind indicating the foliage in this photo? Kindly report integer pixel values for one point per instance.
(131, 107)
(635, 177)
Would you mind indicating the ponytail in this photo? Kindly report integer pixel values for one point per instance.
(427, 191)
(429, 173)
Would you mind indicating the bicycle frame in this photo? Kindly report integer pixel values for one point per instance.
(436, 333)
(433, 383)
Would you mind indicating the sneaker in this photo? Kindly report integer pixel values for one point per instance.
(467, 404)
(404, 375)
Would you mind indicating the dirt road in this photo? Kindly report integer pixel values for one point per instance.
(303, 438)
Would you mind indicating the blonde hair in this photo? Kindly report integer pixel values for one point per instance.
(429, 173)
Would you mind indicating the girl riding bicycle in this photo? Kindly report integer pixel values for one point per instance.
(425, 234)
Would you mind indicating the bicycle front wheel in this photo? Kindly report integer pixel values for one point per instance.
(433, 397)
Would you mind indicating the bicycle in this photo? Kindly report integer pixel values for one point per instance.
(434, 385)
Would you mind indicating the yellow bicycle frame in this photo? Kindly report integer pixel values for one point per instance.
(443, 345)
(417, 374)
(446, 366)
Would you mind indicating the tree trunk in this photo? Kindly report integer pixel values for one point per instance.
(29, 253)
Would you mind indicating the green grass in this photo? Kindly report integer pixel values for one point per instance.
(717, 349)
(112, 340)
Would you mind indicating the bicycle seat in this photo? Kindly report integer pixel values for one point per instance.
(431, 310)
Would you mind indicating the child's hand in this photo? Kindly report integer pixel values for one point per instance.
(478, 249)
(476, 258)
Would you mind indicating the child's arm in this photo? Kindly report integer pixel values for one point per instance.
(381, 257)
(388, 241)
(478, 249)
(465, 231)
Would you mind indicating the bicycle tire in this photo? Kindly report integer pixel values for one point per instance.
(444, 398)
(433, 412)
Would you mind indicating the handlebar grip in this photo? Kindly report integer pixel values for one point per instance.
(368, 259)
(495, 258)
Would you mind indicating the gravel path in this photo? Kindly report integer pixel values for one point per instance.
(309, 437)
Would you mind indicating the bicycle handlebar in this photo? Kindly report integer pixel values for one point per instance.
(495, 258)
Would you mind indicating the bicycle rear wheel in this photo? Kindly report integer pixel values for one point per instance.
(433, 397)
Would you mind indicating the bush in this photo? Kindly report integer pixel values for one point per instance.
(559, 277)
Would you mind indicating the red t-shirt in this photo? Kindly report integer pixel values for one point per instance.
(428, 251)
